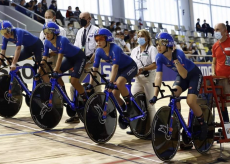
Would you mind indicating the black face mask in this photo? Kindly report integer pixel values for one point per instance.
(83, 22)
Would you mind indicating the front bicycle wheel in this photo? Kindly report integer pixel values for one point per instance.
(9, 106)
(98, 129)
(46, 117)
(205, 145)
(141, 127)
(165, 146)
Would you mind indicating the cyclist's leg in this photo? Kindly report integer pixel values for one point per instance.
(181, 85)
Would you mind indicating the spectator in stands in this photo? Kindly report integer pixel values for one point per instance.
(126, 47)
(20, 9)
(221, 61)
(228, 27)
(209, 53)
(207, 28)
(117, 30)
(126, 34)
(77, 13)
(30, 5)
(198, 27)
(53, 6)
(118, 24)
(40, 12)
(71, 33)
(44, 5)
(132, 40)
(119, 40)
(111, 28)
(69, 14)
(4, 2)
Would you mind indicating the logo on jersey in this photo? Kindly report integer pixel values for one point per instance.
(131, 71)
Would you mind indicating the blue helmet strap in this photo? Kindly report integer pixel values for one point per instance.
(105, 45)
(165, 50)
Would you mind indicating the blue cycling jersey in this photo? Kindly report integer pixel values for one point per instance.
(21, 37)
(161, 59)
(116, 56)
(63, 46)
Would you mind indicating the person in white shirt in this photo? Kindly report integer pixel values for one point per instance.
(85, 41)
(50, 15)
(145, 57)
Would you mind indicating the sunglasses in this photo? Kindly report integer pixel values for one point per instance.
(99, 38)
(47, 31)
(161, 42)
(3, 32)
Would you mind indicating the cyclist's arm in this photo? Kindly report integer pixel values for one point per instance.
(213, 66)
(181, 70)
(158, 80)
(16, 55)
(58, 64)
(114, 72)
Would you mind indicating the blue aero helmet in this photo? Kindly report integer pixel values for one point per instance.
(5, 27)
(165, 39)
(104, 32)
(51, 27)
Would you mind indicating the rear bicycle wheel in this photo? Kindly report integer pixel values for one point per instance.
(100, 130)
(205, 145)
(164, 146)
(9, 107)
(141, 127)
(46, 117)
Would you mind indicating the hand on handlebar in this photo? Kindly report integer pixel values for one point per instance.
(12, 67)
(153, 100)
(54, 74)
(110, 86)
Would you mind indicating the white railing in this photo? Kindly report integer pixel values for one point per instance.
(18, 22)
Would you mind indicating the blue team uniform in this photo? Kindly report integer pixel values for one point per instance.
(193, 80)
(74, 57)
(32, 44)
(127, 67)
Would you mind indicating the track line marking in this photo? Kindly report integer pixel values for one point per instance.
(82, 142)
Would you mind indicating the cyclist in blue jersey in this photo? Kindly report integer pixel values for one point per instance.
(123, 66)
(188, 77)
(32, 44)
(74, 57)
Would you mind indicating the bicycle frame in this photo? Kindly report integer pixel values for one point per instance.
(54, 83)
(173, 107)
(120, 110)
(14, 75)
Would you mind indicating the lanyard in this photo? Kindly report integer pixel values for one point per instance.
(222, 49)
(138, 52)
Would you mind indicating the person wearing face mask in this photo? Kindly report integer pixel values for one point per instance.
(126, 34)
(145, 57)
(221, 61)
(85, 41)
(207, 28)
(70, 33)
(53, 5)
(44, 5)
(112, 26)
(77, 13)
(117, 30)
(199, 28)
(69, 14)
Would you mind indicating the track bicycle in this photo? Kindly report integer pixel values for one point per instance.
(166, 128)
(101, 115)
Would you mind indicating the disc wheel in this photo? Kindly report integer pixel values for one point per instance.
(140, 127)
(122, 123)
(98, 129)
(165, 146)
(205, 145)
(27, 98)
(46, 117)
(9, 107)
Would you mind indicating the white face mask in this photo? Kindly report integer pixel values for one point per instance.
(118, 31)
(217, 35)
(70, 28)
(194, 44)
(48, 20)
